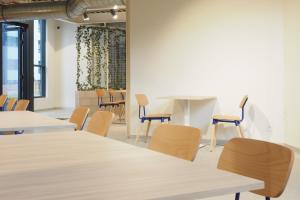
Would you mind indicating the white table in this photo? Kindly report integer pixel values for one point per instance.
(26, 120)
(187, 107)
(81, 166)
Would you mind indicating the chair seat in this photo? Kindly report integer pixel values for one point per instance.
(109, 103)
(120, 102)
(158, 116)
(226, 118)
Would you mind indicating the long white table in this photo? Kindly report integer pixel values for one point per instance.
(187, 102)
(26, 120)
(84, 166)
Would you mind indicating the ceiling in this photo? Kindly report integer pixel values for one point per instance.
(94, 16)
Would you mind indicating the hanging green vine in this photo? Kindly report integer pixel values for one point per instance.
(94, 65)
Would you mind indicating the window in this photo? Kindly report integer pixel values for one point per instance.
(39, 58)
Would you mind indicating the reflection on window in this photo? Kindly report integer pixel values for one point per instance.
(39, 58)
(10, 55)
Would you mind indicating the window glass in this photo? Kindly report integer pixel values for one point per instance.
(39, 58)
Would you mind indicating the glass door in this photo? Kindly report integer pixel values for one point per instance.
(11, 60)
(16, 60)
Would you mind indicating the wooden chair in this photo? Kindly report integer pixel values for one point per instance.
(22, 105)
(271, 163)
(174, 140)
(100, 123)
(119, 105)
(11, 104)
(79, 117)
(228, 119)
(142, 101)
(123, 95)
(3, 99)
(100, 94)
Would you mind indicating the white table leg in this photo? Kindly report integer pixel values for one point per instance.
(187, 113)
(187, 117)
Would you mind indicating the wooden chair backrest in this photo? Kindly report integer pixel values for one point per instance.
(112, 92)
(244, 101)
(100, 123)
(123, 94)
(271, 163)
(100, 92)
(22, 105)
(3, 99)
(11, 104)
(142, 99)
(79, 116)
(175, 140)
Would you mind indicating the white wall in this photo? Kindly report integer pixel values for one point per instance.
(67, 55)
(292, 72)
(61, 66)
(52, 99)
(224, 48)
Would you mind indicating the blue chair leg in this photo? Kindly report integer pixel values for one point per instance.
(19, 132)
(237, 196)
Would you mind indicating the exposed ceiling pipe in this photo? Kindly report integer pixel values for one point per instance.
(69, 9)
(30, 11)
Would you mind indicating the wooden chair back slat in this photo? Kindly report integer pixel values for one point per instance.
(243, 101)
(142, 99)
(271, 163)
(175, 140)
(11, 104)
(22, 105)
(79, 116)
(100, 123)
(3, 99)
(100, 92)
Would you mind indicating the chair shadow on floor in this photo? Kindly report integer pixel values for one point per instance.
(257, 124)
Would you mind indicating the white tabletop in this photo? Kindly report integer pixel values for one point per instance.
(190, 98)
(26, 120)
(81, 166)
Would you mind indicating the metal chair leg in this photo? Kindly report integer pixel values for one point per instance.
(19, 132)
(237, 196)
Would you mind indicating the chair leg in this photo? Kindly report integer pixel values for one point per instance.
(239, 130)
(119, 112)
(123, 111)
(268, 198)
(19, 132)
(237, 196)
(213, 137)
(147, 132)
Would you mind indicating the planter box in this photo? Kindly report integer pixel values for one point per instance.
(89, 99)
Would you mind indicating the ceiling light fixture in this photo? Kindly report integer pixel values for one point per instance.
(114, 14)
(85, 17)
(116, 7)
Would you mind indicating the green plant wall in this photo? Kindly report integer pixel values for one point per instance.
(98, 57)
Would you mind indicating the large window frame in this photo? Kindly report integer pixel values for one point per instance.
(42, 65)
